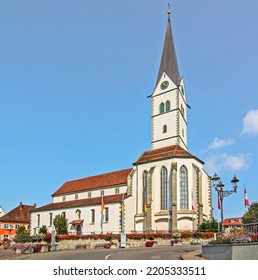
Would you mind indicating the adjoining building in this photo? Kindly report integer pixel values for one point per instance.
(1, 211)
(166, 189)
(11, 221)
(232, 223)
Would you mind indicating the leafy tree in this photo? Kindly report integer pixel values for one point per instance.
(251, 216)
(43, 230)
(209, 225)
(22, 230)
(60, 223)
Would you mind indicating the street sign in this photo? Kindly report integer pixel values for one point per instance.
(123, 240)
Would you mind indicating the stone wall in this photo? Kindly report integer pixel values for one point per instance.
(247, 251)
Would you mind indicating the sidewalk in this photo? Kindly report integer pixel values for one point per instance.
(7, 254)
(194, 255)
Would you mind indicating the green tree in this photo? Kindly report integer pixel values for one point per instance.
(251, 216)
(43, 230)
(60, 223)
(22, 230)
(209, 225)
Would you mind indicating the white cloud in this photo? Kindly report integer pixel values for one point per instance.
(250, 122)
(217, 163)
(220, 143)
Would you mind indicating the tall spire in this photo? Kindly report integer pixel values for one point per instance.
(168, 62)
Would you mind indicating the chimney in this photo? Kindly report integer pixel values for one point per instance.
(20, 205)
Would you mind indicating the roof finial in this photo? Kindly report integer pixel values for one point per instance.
(169, 12)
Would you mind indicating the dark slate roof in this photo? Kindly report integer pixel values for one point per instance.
(168, 62)
(20, 214)
(173, 151)
(81, 202)
(93, 182)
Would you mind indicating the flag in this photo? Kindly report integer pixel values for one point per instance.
(246, 198)
(102, 212)
(123, 203)
(145, 205)
(102, 204)
(169, 201)
(193, 208)
(218, 201)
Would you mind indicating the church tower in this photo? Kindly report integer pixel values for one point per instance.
(169, 105)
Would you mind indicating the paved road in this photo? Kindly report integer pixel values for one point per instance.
(154, 253)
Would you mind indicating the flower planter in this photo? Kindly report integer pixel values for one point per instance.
(175, 242)
(44, 248)
(27, 251)
(151, 243)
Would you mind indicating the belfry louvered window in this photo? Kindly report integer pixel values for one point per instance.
(167, 106)
(161, 108)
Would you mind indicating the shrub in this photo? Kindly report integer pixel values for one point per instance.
(22, 238)
(6, 243)
(108, 238)
(43, 230)
(47, 238)
(197, 235)
(186, 234)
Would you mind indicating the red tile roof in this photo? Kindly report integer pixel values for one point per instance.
(233, 222)
(93, 182)
(80, 202)
(19, 214)
(174, 151)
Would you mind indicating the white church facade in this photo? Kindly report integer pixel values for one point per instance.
(166, 189)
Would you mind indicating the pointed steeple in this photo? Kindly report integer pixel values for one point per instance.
(168, 62)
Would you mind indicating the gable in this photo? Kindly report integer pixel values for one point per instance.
(19, 214)
(173, 151)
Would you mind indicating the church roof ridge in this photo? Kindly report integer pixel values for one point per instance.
(168, 62)
(96, 181)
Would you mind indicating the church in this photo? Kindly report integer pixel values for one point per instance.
(165, 190)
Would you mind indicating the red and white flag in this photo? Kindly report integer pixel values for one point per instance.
(246, 198)
(193, 208)
(218, 201)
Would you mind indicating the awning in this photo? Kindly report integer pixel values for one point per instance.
(76, 222)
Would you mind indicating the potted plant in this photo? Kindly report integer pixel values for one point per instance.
(176, 239)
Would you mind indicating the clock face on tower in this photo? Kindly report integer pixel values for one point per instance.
(164, 85)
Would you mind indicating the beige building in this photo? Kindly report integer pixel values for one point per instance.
(166, 189)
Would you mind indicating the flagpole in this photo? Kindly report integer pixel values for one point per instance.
(218, 221)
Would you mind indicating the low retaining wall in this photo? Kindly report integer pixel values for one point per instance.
(91, 243)
(246, 251)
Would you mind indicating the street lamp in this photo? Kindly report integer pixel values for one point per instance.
(221, 193)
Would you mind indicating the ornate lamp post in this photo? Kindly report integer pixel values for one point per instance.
(222, 193)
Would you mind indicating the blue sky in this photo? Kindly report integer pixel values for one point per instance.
(74, 81)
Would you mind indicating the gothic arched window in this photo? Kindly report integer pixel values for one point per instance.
(144, 190)
(163, 188)
(167, 106)
(183, 188)
(78, 214)
(161, 108)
